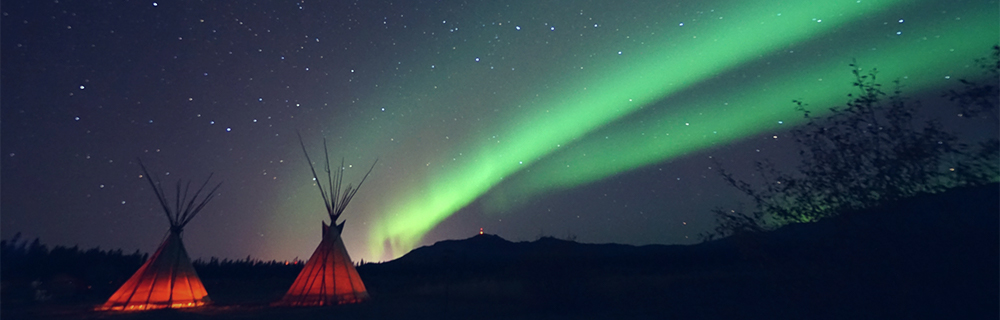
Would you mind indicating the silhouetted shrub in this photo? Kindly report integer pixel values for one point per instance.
(980, 99)
(869, 152)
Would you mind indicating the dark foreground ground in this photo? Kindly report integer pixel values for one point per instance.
(934, 257)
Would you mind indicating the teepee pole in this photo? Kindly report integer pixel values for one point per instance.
(313, 169)
(329, 182)
(159, 194)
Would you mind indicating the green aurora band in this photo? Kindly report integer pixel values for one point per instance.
(623, 114)
(717, 119)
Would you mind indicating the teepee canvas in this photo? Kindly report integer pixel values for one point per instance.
(329, 277)
(167, 279)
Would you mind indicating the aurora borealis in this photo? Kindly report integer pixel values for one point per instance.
(481, 114)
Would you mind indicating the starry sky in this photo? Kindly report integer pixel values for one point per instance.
(600, 121)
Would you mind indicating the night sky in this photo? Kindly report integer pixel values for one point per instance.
(595, 120)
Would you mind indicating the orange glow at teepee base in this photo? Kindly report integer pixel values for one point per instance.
(328, 278)
(166, 280)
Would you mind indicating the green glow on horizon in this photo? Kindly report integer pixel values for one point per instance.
(611, 97)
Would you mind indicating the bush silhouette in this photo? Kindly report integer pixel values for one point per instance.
(868, 152)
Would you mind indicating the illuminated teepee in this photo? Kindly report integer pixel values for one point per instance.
(167, 279)
(329, 277)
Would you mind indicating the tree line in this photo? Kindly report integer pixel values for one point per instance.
(30, 271)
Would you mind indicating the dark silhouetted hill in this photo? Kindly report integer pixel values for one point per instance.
(933, 256)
